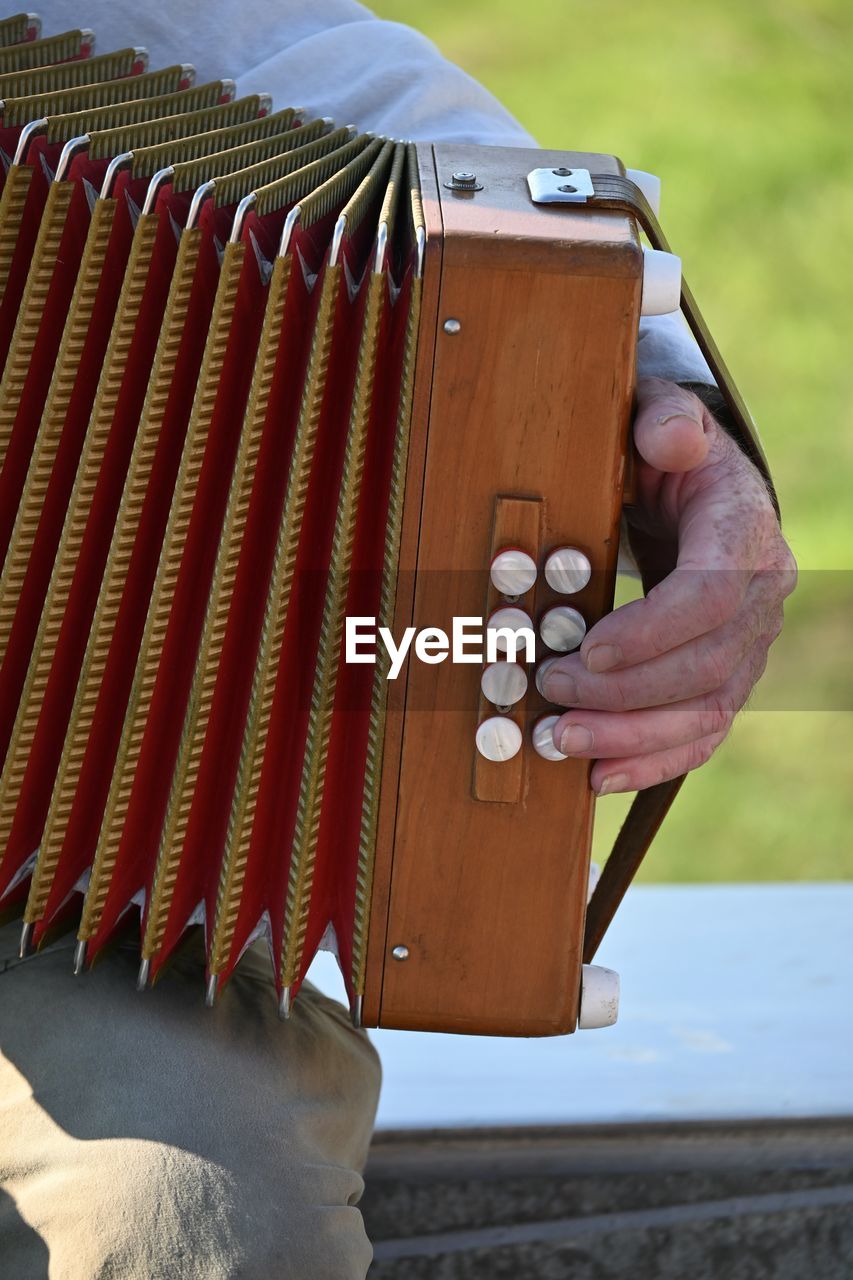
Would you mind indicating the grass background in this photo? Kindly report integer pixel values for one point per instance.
(746, 112)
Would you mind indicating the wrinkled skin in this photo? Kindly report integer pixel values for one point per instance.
(655, 686)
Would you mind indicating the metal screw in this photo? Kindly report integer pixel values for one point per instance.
(569, 190)
(452, 326)
(462, 180)
(400, 953)
(562, 173)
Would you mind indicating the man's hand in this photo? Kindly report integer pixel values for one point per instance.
(656, 684)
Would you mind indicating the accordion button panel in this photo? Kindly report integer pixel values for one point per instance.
(513, 572)
(508, 622)
(567, 570)
(543, 738)
(498, 738)
(504, 683)
(562, 628)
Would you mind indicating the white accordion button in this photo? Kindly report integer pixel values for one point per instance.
(498, 738)
(661, 283)
(567, 570)
(509, 619)
(504, 683)
(649, 184)
(562, 628)
(540, 674)
(599, 997)
(513, 572)
(543, 739)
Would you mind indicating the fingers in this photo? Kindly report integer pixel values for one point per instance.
(728, 532)
(687, 604)
(607, 735)
(689, 671)
(656, 684)
(610, 776)
(671, 426)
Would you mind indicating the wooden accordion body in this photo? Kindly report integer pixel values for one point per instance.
(264, 375)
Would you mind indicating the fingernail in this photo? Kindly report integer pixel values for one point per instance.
(613, 782)
(576, 737)
(601, 657)
(541, 672)
(560, 688)
(668, 417)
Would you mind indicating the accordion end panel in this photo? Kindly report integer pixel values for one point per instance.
(525, 375)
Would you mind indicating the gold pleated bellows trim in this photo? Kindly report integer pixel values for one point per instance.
(127, 522)
(310, 800)
(41, 53)
(385, 617)
(346, 208)
(54, 413)
(44, 648)
(198, 109)
(197, 716)
(17, 28)
(162, 598)
(32, 308)
(12, 202)
(19, 111)
(241, 818)
(67, 559)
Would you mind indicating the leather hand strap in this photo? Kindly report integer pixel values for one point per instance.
(650, 807)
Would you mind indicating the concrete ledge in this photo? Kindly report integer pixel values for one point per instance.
(712, 1201)
(736, 1004)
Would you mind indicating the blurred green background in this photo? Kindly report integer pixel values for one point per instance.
(746, 112)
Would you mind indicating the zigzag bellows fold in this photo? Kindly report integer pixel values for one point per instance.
(190, 521)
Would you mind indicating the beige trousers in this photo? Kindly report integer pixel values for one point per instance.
(145, 1136)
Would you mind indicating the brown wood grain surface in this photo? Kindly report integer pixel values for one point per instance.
(530, 399)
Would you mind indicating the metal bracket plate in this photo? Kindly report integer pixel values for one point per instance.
(560, 186)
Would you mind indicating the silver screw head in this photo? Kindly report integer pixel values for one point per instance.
(463, 180)
(562, 173)
(452, 326)
(400, 953)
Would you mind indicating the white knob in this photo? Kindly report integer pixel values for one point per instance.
(562, 628)
(599, 997)
(509, 619)
(513, 572)
(503, 683)
(661, 283)
(498, 738)
(649, 184)
(594, 877)
(543, 738)
(567, 570)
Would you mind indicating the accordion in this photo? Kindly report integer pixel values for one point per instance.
(276, 395)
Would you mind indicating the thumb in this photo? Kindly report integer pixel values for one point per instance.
(672, 428)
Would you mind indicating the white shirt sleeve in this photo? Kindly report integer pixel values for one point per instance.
(335, 58)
